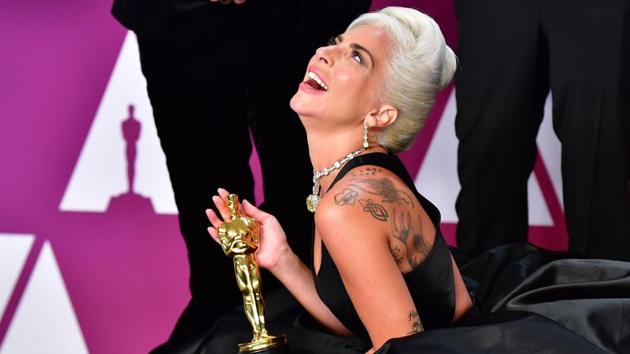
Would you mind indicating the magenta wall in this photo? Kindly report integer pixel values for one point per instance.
(57, 58)
(56, 61)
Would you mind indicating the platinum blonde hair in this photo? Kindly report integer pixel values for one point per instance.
(420, 64)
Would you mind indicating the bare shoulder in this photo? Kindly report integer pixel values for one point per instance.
(370, 200)
(368, 184)
(366, 196)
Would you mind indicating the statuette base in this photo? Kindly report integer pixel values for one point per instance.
(267, 345)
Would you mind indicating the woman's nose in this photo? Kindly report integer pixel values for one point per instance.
(325, 55)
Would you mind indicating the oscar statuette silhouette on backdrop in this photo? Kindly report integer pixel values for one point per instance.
(240, 240)
(131, 129)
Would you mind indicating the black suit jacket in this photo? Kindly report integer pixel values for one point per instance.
(182, 18)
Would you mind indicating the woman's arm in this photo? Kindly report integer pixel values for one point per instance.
(275, 255)
(356, 237)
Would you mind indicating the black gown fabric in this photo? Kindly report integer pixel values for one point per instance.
(526, 300)
(431, 284)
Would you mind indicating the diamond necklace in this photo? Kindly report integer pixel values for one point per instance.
(313, 199)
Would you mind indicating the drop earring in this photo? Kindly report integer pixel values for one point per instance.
(365, 136)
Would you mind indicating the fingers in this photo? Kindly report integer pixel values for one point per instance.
(214, 234)
(254, 212)
(214, 219)
(216, 223)
(220, 202)
(221, 207)
(223, 193)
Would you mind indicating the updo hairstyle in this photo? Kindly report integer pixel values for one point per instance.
(420, 64)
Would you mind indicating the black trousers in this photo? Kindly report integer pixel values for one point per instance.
(511, 54)
(209, 91)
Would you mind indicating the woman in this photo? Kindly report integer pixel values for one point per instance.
(381, 267)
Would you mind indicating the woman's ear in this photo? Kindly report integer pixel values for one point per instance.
(382, 117)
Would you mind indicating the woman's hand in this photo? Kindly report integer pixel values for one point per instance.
(273, 241)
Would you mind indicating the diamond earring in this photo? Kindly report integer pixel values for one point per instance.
(365, 136)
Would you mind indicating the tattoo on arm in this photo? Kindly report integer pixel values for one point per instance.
(414, 251)
(368, 171)
(376, 210)
(402, 228)
(420, 244)
(396, 254)
(347, 197)
(413, 260)
(416, 325)
(385, 188)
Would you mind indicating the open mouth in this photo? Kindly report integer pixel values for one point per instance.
(315, 82)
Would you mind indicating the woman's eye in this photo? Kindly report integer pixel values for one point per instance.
(357, 56)
(332, 40)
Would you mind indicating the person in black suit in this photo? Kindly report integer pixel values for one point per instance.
(511, 54)
(216, 72)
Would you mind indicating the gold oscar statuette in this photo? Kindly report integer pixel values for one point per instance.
(240, 240)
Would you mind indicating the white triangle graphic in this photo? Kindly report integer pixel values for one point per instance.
(13, 252)
(437, 179)
(551, 149)
(44, 321)
(101, 171)
(538, 212)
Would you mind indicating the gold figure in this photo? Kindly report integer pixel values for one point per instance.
(240, 240)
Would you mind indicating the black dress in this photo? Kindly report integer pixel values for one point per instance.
(526, 300)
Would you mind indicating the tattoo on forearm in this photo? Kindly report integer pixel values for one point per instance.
(416, 325)
(376, 210)
(347, 197)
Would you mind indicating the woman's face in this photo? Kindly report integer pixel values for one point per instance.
(344, 79)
